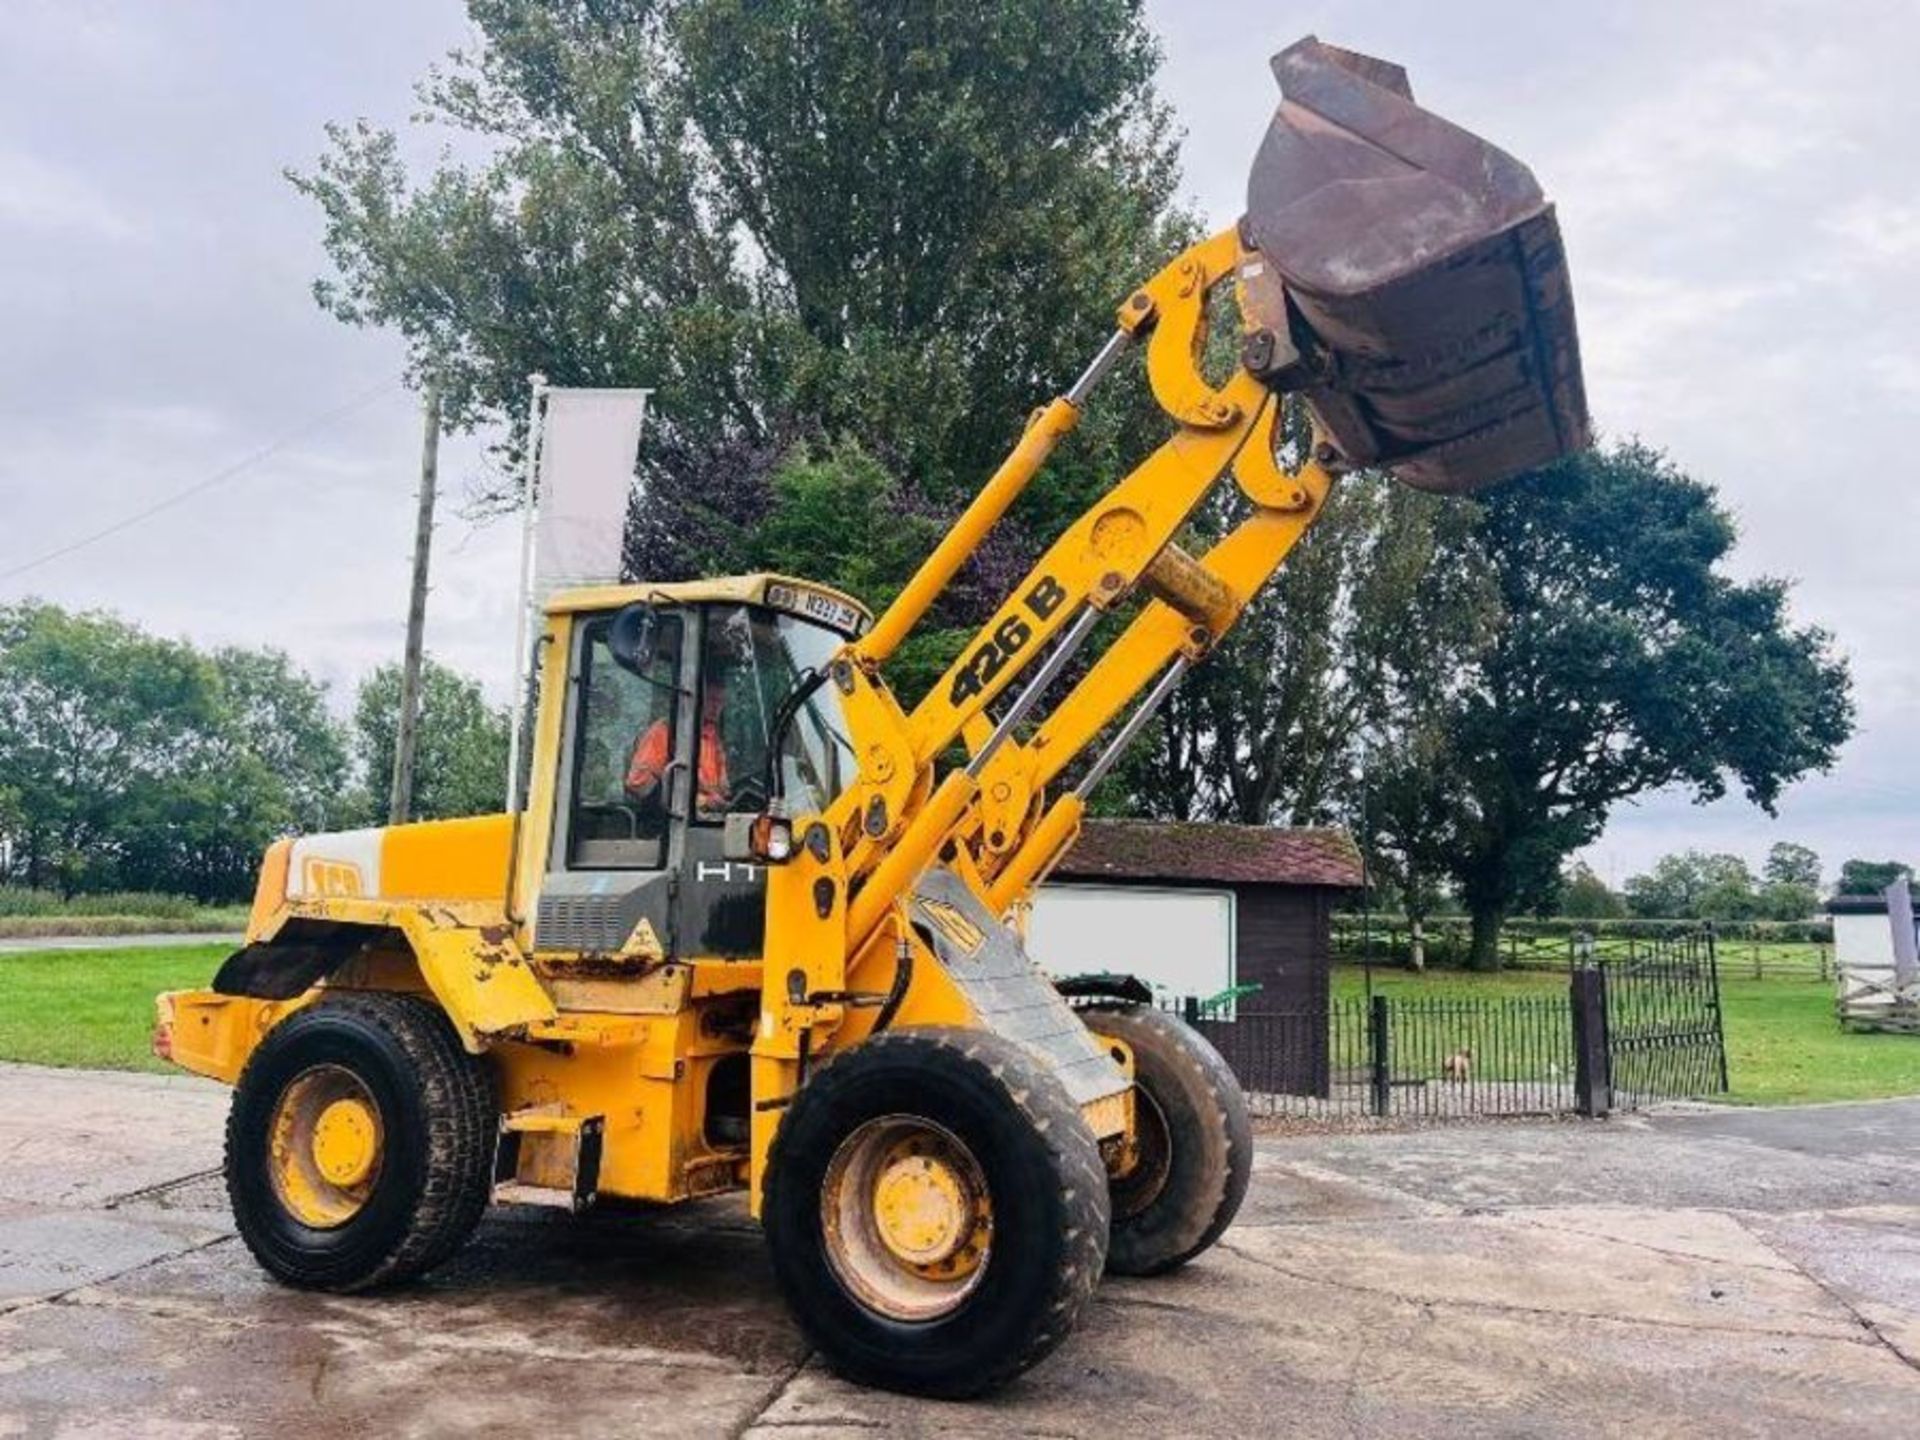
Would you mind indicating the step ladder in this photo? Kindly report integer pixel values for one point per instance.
(546, 1156)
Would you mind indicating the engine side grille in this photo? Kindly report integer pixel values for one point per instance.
(579, 922)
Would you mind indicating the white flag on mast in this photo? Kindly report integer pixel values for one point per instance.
(587, 448)
(574, 513)
(1906, 949)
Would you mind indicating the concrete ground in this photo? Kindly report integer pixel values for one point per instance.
(1733, 1273)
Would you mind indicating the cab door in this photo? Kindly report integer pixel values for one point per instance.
(721, 908)
(624, 789)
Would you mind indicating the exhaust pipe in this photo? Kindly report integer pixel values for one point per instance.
(1411, 284)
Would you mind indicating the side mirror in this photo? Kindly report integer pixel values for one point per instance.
(763, 839)
(633, 637)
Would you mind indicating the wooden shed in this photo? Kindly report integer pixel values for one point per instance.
(1198, 909)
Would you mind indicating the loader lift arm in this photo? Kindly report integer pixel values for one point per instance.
(837, 906)
(1012, 836)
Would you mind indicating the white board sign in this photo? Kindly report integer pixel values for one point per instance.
(587, 449)
(1180, 942)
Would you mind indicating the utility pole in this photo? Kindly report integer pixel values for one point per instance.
(406, 736)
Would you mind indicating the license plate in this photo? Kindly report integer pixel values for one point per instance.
(814, 606)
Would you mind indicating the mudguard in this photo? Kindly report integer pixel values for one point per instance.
(298, 958)
(465, 950)
(986, 961)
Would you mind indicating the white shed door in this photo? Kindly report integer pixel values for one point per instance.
(1179, 941)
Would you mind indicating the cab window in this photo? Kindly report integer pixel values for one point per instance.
(733, 717)
(624, 744)
(750, 664)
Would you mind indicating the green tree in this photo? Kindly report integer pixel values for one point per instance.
(1870, 877)
(1730, 893)
(460, 765)
(1665, 892)
(1694, 885)
(1791, 864)
(899, 224)
(1403, 818)
(272, 764)
(137, 762)
(278, 714)
(1585, 896)
(275, 765)
(97, 720)
(1624, 663)
(1788, 900)
(1671, 890)
(835, 511)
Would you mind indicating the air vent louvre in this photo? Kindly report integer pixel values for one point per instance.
(578, 922)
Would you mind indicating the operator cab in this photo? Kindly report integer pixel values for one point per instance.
(685, 704)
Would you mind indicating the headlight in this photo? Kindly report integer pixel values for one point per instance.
(773, 839)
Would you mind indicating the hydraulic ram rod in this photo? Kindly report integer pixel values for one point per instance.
(930, 828)
(1061, 823)
(1029, 697)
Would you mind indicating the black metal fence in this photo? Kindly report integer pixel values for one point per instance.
(1402, 1056)
(1619, 1035)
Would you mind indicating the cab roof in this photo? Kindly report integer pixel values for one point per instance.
(725, 589)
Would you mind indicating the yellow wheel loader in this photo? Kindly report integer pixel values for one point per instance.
(757, 926)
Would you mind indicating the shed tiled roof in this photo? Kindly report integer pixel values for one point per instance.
(1236, 854)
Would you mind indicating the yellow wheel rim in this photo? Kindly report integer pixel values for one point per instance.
(907, 1218)
(325, 1146)
(346, 1142)
(1138, 1171)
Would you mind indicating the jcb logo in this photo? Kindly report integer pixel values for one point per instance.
(951, 923)
(330, 877)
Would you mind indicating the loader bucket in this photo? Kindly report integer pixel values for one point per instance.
(1422, 305)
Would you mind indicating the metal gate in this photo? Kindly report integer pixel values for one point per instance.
(1665, 1039)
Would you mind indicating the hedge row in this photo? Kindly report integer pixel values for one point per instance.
(1786, 932)
(18, 900)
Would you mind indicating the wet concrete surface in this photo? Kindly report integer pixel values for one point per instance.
(1737, 1274)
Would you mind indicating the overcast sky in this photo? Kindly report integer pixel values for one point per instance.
(1737, 183)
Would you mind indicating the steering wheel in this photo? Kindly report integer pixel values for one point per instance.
(748, 795)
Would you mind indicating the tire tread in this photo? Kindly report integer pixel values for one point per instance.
(1205, 1214)
(1044, 1105)
(456, 1095)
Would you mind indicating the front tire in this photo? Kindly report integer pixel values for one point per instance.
(359, 1143)
(1193, 1158)
(936, 1211)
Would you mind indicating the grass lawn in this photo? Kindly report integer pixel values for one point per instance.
(1350, 982)
(198, 922)
(1784, 1048)
(93, 1007)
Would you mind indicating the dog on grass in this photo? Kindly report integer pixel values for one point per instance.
(1459, 1065)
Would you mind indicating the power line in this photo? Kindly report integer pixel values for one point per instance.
(272, 447)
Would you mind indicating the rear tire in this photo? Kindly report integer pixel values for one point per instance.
(1194, 1138)
(412, 1123)
(876, 1184)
